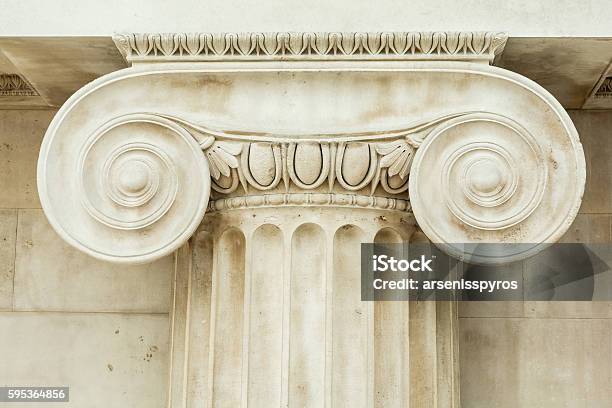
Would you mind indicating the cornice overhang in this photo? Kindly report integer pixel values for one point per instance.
(309, 46)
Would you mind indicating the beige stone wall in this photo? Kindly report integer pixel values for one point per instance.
(102, 329)
(65, 318)
(541, 354)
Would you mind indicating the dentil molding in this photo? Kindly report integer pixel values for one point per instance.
(473, 152)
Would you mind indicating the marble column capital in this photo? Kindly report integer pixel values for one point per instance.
(390, 122)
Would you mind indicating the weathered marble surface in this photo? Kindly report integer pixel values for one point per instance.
(545, 18)
(595, 126)
(107, 359)
(546, 363)
(51, 275)
(8, 234)
(21, 134)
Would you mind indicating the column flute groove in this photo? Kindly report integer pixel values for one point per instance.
(248, 265)
(284, 391)
(329, 322)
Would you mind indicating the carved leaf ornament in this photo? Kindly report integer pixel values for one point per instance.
(378, 159)
(206, 46)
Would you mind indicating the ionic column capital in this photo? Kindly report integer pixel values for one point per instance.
(379, 121)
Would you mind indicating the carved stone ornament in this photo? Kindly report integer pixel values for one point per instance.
(15, 85)
(474, 153)
(471, 46)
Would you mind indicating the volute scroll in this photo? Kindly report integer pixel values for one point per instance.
(483, 178)
(139, 188)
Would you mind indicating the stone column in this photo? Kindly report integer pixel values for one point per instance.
(279, 154)
(277, 289)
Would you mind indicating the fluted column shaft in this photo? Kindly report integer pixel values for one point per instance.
(275, 317)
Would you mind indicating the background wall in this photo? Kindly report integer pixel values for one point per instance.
(65, 318)
(100, 326)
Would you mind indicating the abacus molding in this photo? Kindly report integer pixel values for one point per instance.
(476, 46)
